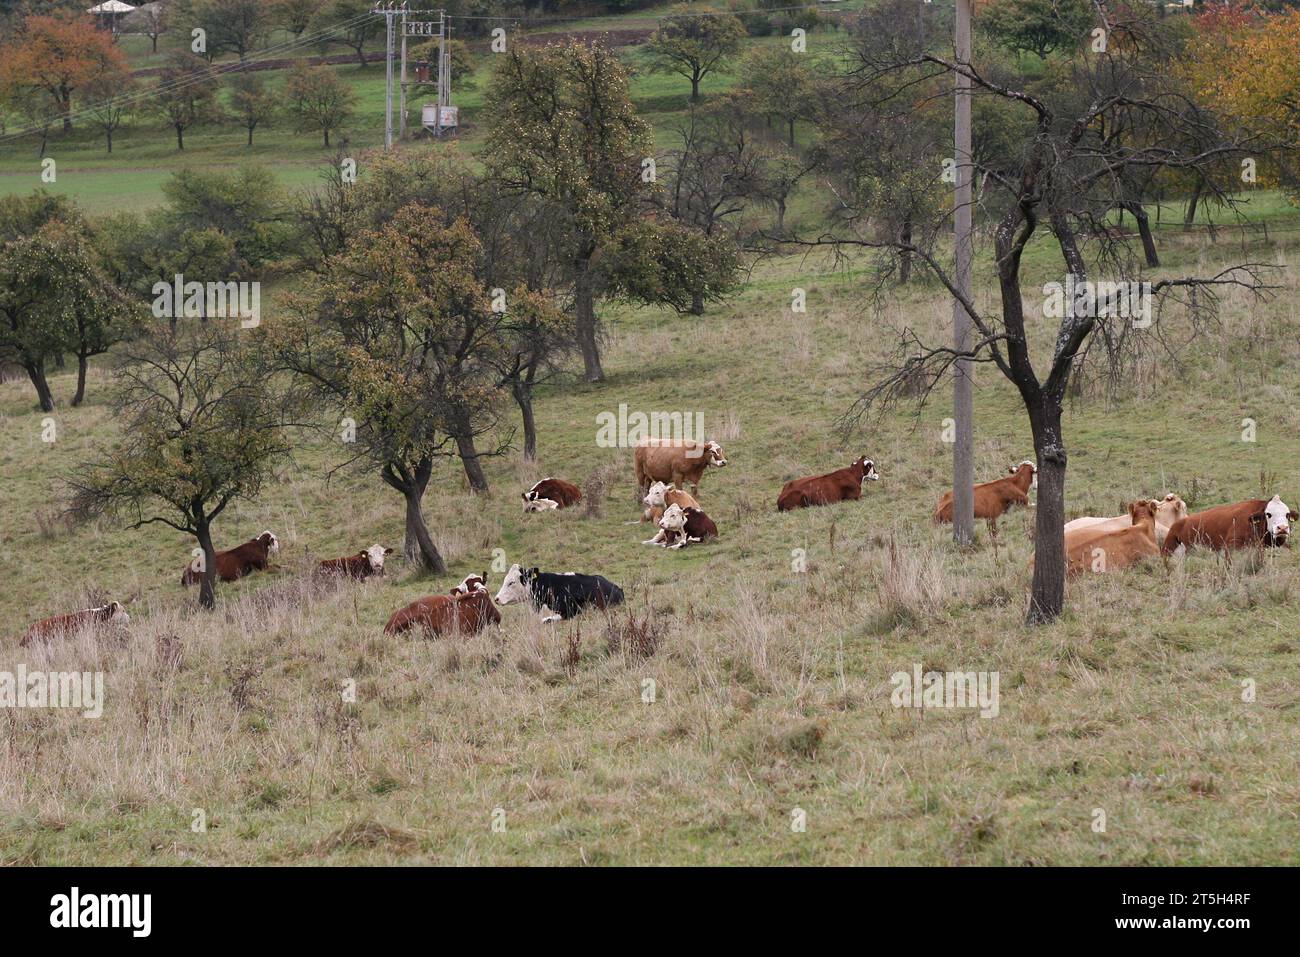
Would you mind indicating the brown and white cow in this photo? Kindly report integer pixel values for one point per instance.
(1255, 523)
(660, 497)
(841, 485)
(367, 562)
(551, 493)
(61, 626)
(1116, 550)
(993, 499)
(676, 461)
(253, 555)
(463, 613)
(679, 527)
(1168, 511)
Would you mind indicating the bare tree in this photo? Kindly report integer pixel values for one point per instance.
(1061, 182)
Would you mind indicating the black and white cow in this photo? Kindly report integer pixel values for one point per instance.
(557, 596)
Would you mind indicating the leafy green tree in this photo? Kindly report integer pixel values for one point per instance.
(251, 104)
(349, 28)
(232, 26)
(247, 205)
(186, 94)
(202, 427)
(319, 99)
(399, 336)
(1040, 27)
(781, 84)
(111, 104)
(694, 46)
(563, 131)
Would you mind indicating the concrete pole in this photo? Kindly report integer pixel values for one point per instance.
(963, 402)
(401, 109)
(388, 78)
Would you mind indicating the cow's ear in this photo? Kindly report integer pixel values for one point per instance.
(533, 572)
(453, 592)
(388, 551)
(1259, 518)
(1292, 517)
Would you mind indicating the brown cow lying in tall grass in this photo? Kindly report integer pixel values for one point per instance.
(1168, 511)
(1113, 551)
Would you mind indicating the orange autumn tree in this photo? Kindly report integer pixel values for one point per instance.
(1243, 64)
(55, 56)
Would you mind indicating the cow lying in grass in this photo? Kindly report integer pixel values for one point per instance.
(557, 597)
(551, 493)
(362, 565)
(660, 497)
(1168, 511)
(841, 485)
(61, 626)
(1117, 550)
(679, 527)
(458, 613)
(1262, 523)
(235, 563)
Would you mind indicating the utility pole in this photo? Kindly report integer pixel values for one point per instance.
(444, 70)
(390, 12)
(401, 109)
(963, 401)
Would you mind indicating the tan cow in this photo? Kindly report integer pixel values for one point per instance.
(1168, 510)
(1117, 550)
(660, 497)
(677, 461)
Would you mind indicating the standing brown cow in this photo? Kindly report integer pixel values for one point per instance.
(1258, 522)
(675, 461)
(464, 613)
(992, 499)
(837, 486)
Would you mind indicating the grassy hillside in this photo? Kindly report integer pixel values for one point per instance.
(772, 685)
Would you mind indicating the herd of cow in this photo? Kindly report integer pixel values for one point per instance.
(1151, 528)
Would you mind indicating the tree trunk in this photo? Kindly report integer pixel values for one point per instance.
(905, 257)
(791, 121)
(585, 308)
(250, 136)
(81, 381)
(208, 583)
(180, 137)
(109, 135)
(469, 457)
(780, 216)
(697, 304)
(1047, 592)
(154, 40)
(1144, 230)
(695, 89)
(36, 372)
(327, 138)
(1189, 216)
(524, 397)
(419, 547)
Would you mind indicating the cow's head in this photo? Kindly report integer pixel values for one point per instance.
(1169, 509)
(114, 612)
(673, 519)
(1143, 510)
(868, 467)
(714, 451)
(655, 497)
(268, 540)
(376, 554)
(1033, 470)
(536, 504)
(1277, 520)
(514, 588)
(471, 583)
